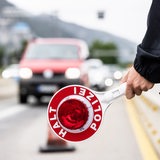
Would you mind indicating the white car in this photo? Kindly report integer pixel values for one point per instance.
(98, 74)
(12, 71)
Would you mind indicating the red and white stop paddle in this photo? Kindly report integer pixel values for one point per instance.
(75, 112)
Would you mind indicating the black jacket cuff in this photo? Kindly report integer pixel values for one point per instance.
(147, 63)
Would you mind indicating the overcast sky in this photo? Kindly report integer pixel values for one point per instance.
(125, 18)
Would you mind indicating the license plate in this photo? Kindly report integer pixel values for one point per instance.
(47, 88)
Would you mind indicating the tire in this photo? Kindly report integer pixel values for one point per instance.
(22, 99)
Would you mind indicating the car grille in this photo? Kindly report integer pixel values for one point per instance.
(40, 75)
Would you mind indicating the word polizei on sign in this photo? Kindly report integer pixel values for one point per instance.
(74, 114)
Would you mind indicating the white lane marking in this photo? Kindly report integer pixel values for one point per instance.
(11, 111)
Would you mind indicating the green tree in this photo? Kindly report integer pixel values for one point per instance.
(21, 50)
(16, 55)
(106, 51)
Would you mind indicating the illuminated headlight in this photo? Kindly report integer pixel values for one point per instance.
(6, 74)
(25, 73)
(117, 75)
(108, 82)
(72, 73)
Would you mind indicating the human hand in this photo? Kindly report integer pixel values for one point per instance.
(136, 83)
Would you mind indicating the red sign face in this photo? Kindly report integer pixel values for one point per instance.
(74, 113)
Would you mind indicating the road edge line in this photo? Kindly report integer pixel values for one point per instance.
(143, 141)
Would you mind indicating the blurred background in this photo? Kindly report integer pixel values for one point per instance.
(110, 30)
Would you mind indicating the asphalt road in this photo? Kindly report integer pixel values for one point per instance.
(23, 129)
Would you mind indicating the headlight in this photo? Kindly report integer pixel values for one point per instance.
(25, 73)
(117, 75)
(72, 73)
(6, 74)
(108, 82)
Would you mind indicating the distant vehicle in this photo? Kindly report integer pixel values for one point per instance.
(117, 72)
(98, 74)
(108, 78)
(12, 71)
(49, 64)
(93, 63)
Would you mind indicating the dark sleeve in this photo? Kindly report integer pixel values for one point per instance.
(147, 61)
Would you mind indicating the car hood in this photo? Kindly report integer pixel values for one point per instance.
(54, 65)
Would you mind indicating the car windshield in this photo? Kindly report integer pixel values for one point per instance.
(52, 51)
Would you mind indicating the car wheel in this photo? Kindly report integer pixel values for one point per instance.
(22, 99)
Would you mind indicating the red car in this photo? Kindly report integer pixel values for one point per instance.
(49, 64)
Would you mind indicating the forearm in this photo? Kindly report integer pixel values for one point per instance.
(147, 61)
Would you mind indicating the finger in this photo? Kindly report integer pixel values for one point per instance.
(129, 92)
(124, 79)
(146, 86)
(138, 92)
(137, 89)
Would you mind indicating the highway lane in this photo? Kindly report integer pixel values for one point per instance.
(18, 131)
(24, 129)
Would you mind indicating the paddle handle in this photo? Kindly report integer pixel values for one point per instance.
(115, 93)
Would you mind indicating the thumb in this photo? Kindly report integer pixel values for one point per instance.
(124, 78)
